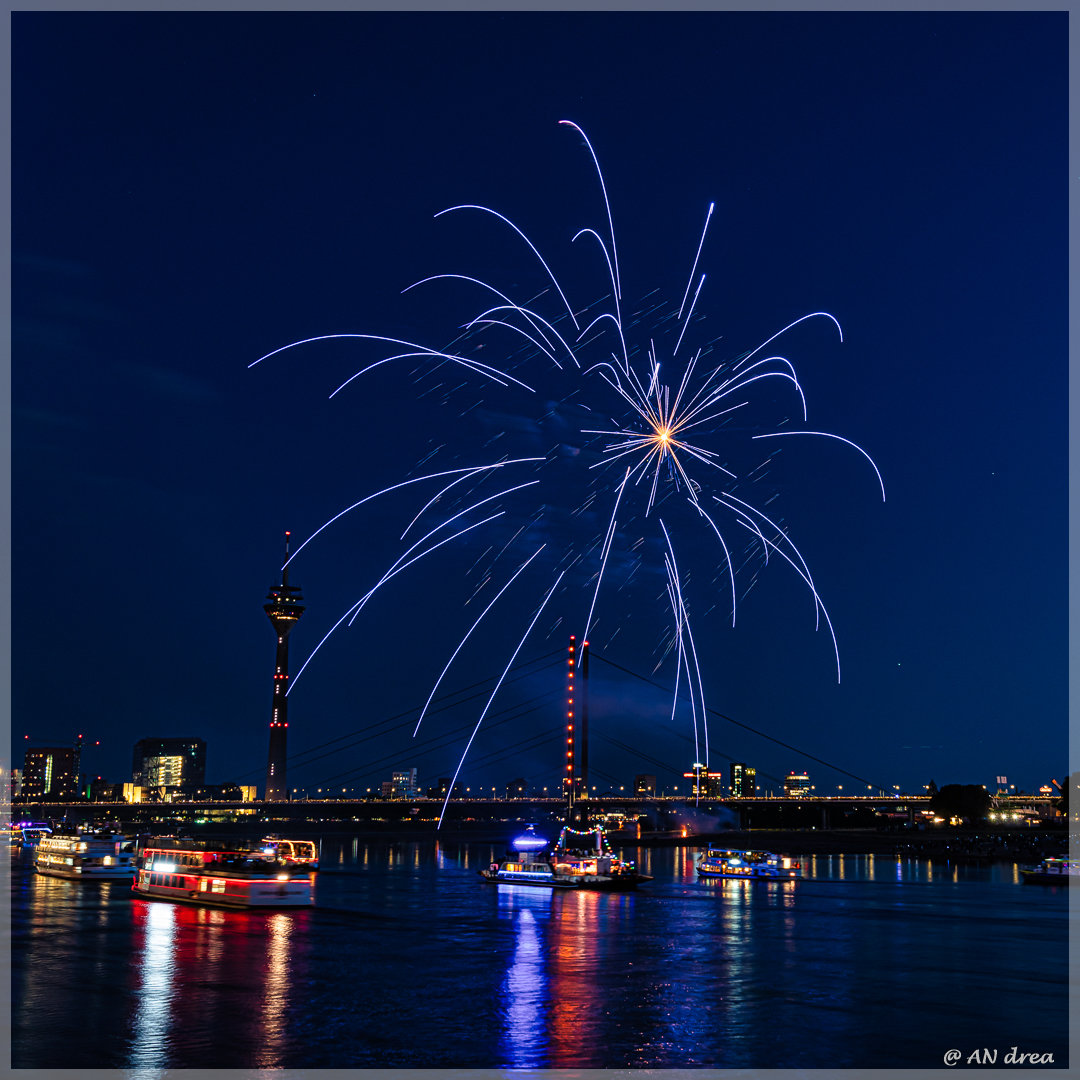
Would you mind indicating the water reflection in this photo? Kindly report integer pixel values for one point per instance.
(213, 986)
(574, 957)
(153, 1011)
(279, 927)
(552, 1016)
(524, 990)
(683, 973)
(685, 868)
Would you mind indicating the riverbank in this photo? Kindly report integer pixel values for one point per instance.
(955, 845)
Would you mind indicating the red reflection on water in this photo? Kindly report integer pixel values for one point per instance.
(187, 958)
(574, 947)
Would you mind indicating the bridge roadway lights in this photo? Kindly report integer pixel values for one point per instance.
(753, 812)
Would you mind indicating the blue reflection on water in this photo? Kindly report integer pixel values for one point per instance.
(525, 988)
(409, 961)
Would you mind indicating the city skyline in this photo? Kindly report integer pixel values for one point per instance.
(223, 215)
(159, 764)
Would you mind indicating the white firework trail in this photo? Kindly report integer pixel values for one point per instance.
(666, 430)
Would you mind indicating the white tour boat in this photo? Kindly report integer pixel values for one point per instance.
(85, 856)
(197, 873)
(723, 862)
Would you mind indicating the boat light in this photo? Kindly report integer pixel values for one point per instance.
(283, 877)
(165, 867)
(529, 841)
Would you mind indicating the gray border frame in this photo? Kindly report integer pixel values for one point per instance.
(6, 525)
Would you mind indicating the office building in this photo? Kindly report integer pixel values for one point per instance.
(743, 780)
(404, 785)
(796, 783)
(705, 784)
(167, 764)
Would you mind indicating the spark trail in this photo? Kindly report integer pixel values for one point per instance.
(670, 431)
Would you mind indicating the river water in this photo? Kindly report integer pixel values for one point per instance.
(409, 960)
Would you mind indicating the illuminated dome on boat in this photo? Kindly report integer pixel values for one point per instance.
(529, 841)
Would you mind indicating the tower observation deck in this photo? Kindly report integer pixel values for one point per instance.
(283, 610)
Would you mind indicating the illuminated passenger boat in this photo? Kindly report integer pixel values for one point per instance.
(292, 853)
(1052, 871)
(564, 867)
(29, 834)
(85, 856)
(721, 862)
(195, 873)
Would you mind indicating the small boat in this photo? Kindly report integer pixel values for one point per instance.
(85, 856)
(563, 867)
(199, 873)
(292, 853)
(28, 834)
(1051, 871)
(722, 862)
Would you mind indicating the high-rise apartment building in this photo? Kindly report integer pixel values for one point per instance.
(743, 780)
(50, 772)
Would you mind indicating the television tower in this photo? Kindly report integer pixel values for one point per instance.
(284, 611)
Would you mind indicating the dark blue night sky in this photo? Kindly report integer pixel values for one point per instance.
(192, 191)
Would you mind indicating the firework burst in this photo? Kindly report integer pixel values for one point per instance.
(666, 441)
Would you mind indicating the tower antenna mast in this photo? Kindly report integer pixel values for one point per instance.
(284, 610)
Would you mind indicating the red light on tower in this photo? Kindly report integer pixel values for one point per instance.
(568, 780)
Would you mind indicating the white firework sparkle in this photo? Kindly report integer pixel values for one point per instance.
(660, 442)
